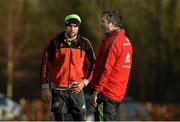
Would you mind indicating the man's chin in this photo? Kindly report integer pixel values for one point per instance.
(71, 35)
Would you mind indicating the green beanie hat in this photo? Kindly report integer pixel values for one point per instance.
(72, 18)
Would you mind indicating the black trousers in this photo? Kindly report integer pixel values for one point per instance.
(107, 109)
(68, 106)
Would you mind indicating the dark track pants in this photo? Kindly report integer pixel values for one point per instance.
(68, 106)
(106, 109)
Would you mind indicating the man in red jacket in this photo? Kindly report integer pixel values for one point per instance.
(112, 68)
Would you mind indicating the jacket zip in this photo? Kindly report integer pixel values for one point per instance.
(70, 58)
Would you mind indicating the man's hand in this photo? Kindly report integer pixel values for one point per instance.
(93, 101)
(77, 87)
(46, 95)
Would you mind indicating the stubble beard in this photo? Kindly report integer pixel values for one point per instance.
(72, 34)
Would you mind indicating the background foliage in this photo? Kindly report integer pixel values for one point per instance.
(153, 26)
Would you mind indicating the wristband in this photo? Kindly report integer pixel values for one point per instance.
(45, 86)
(95, 93)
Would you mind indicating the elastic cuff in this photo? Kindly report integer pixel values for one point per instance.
(45, 86)
(95, 93)
(85, 81)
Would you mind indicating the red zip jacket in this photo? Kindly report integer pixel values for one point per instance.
(113, 65)
(63, 64)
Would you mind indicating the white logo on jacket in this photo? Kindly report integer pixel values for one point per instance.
(128, 58)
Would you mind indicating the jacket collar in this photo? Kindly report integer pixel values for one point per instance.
(115, 32)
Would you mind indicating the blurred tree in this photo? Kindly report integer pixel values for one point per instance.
(15, 33)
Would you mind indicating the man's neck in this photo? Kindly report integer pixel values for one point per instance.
(116, 29)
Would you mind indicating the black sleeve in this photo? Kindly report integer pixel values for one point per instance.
(90, 58)
(48, 56)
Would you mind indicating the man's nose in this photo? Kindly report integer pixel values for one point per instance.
(72, 27)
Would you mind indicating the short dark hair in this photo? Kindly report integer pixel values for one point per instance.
(114, 17)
